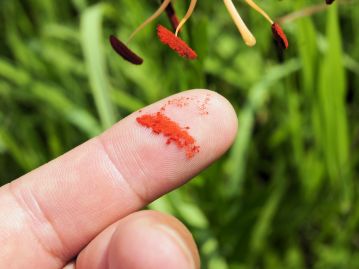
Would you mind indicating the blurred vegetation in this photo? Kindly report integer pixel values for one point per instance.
(284, 196)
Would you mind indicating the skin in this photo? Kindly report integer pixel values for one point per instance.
(83, 209)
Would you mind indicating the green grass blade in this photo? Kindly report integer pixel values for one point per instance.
(92, 43)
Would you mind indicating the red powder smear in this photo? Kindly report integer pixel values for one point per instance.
(178, 102)
(175, 43)
(279, 36)
(161, 124)
(185, 101)
(203, 106)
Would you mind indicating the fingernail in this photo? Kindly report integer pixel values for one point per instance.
(180, 242)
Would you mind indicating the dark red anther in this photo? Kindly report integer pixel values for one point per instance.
(171, 14)
(329, 1)
(175, 43)
(279, 36)
(124, 51)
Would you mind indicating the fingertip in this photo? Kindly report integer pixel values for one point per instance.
(146, 239)
(172, 140)
(152, 240)
(223, 122)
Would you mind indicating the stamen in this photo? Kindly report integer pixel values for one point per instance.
(155, 15)
(247, 36)
(329, 1)
(259, 10)
(171, 14)
(124, 51)
(175, 43)
(279, 36)
(277, 31)
(190, 10)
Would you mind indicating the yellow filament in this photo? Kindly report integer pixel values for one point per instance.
(155, 15)
(259, 10)
(247, 36)
(190, 10)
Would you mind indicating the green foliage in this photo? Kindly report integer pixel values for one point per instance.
(284, 196)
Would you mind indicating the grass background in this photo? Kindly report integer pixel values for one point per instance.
(284, 196)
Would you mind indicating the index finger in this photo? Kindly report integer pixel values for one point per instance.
(58, 208)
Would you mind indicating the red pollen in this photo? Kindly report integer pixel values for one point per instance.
(161, 124)
(279, 36)
(175, 43)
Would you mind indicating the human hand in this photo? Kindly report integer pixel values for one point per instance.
(80, 209)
